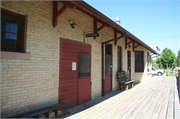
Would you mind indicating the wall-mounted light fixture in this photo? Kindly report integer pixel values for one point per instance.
(129, 46)
(73, 24)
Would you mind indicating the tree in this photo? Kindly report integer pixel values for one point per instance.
(178, 58)
(168, 57)
(153, 62)
(177, 62)
(158, 62)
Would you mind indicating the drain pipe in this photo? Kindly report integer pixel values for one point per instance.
(103, 68)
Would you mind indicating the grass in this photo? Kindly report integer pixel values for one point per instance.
(171, 74)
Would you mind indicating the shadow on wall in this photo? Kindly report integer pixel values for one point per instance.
(143, 77)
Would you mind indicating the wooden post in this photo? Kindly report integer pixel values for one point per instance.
(178, 71)
(167, 70)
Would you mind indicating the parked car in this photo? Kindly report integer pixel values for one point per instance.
(175, 68)
(157, 71)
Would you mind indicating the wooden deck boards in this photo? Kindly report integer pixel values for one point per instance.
(156, 99)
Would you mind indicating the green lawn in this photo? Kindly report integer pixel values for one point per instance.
(171, 74)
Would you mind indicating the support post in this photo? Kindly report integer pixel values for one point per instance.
(115, 36)
(103, 70)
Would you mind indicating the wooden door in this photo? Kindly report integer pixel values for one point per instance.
(108, 73)
(129, 64)
(84, 78)
(71, 88)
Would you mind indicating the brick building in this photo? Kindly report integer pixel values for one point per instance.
(46, 57)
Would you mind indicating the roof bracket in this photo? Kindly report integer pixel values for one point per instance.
(135, 46)
(96, 30)
(129, 42)
(56, 13)
(115, 36)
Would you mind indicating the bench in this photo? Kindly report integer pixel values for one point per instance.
(124, 80)
(52, 111)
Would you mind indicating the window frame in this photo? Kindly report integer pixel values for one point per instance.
(142, 61)
(21, 31)
(84, 75)
(120, 62)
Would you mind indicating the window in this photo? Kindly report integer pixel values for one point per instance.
(119, 59)
(108, 49)
(108, 65)
(12, 31)
(139, 61)
(84, 65)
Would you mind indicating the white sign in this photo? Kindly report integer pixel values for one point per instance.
(73, 65)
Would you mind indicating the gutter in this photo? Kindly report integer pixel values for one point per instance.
(103, 60)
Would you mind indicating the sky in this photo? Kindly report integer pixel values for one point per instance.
(155, 22)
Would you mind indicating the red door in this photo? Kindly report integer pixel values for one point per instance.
(108, 72)
(73, 89)
(84, 79)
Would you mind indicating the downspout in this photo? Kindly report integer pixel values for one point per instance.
(103, 69)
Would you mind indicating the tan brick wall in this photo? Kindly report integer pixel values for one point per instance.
(138, 76)
(31, 84)
(34, 83)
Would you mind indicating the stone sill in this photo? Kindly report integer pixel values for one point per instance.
(15, 55)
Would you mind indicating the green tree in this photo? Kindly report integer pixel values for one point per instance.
(177, 62)
(153, 62)
(178, 58)
(168, 57)
(158, 62)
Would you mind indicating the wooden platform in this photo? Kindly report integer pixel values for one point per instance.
(156, 99)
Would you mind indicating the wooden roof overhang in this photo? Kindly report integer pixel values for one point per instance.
(98, 17)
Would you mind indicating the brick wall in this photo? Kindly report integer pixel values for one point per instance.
(142, 77)
(31, 84)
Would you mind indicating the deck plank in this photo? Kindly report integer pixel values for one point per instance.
(136, 103)
(159, 105)
(162, 114)
(143, 103)
(114, 102)
(126, 107)
(142, 113)
(170, 109)
(118, 104)
(155, 102)
(156, 99)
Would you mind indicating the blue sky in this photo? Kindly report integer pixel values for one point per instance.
(155, 22)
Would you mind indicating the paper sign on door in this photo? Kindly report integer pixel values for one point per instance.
(73, 65)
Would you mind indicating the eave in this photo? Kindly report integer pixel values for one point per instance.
(98, 16)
